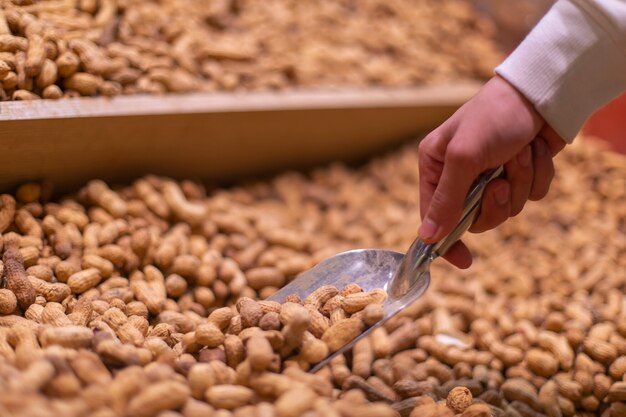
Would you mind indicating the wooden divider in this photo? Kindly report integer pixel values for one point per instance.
(210, 136)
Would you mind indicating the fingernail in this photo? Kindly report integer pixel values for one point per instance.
(502, 193)
(540, 147)
(428, 229)
(523, 158)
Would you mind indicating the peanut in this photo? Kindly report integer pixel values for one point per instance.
(84, 280)
(229, 396)
(459, 399)
(8, 301)
(259, 353)
(295, 402)
(209, 335)
(358, 301)
(541, 363)
(600, 350)
(15, 276)
(617, 392)
(191, 212)
(35, 55)
(342, 333)
(68, 336)
(158, 397)
(55, 292)
(100, 194)
(7, 211)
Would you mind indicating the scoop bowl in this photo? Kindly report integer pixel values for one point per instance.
(370, 269)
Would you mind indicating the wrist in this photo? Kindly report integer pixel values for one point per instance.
(527, 113)
(517, 103)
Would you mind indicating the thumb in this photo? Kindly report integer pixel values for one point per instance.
(446, 204)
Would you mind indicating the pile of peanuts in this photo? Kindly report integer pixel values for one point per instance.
(68, 48)
(149, 300)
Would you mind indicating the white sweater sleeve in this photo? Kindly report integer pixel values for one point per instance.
(572, 62)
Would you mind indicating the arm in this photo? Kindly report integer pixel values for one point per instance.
(572, 62)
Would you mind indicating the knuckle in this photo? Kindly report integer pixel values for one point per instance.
(430, 171)
(423, 160)
(429, 167)
(462, 156)
(426, 145)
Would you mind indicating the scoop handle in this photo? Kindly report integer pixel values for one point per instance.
(470, 212)
(418, 257)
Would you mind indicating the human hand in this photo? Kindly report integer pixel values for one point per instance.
(496, 127)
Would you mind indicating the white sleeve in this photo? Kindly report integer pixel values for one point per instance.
(572, 62)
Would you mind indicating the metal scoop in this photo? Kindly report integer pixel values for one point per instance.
(404, 277)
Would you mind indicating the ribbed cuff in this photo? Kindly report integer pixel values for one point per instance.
(571, 64)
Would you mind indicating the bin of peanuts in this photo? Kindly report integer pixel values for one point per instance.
(148, 300)
(54, 49)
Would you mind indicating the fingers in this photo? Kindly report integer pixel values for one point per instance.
(445, 186)
(459, 255)
(460, 168)
(519, 173)
(430, 169)
(543, 167)
(496, 206)
(528, 177)
(431, 153)
(554, 142)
